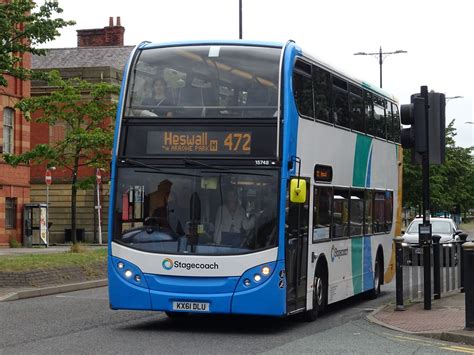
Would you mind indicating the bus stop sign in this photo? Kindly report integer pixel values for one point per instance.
(48, 178)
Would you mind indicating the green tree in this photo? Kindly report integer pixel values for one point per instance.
(450, 183)
(23, 26)
(83, 108)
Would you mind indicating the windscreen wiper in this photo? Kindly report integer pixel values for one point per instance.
(195, 162)
(138, 163)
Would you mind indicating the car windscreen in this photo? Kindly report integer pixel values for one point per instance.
(442, 227)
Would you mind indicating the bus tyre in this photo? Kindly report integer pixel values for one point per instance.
(320, 294)
(378, 274)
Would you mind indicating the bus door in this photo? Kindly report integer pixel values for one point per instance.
(296, 252)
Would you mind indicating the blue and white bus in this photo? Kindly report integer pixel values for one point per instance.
(249, 178)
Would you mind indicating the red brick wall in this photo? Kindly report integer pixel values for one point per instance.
(14, 182)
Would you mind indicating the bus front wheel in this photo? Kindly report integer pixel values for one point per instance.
(320, 294)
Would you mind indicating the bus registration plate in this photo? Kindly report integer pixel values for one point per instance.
(191, 306)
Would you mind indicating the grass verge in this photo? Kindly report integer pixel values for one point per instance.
(52, 260)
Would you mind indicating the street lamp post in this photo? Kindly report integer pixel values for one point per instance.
(240, 19)
(381, 56)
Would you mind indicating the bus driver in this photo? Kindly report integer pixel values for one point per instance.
(231, 221)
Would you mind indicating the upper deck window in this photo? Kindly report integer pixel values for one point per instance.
(204, 81)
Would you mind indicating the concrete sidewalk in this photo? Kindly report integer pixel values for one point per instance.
(446, 319)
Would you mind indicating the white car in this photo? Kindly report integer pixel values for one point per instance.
(444, 227)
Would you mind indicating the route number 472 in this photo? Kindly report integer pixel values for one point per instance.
(238, 142)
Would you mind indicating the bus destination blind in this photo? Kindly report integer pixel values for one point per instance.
(238, 142)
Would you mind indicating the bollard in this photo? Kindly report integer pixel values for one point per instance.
(436, 268)
(462, 240)
(399, 273)
(468, 259)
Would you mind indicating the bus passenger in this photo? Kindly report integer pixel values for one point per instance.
(231, 221)
(158, 102)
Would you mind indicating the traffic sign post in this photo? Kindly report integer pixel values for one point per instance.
(48, 179)
(98, 177)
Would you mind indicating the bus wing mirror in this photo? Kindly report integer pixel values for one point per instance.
(298, 190)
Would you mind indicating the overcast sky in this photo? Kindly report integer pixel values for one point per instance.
(436, 34)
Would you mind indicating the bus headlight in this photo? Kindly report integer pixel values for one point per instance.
(128, 271)
(257, 277)
(247, 282)
(266, 270)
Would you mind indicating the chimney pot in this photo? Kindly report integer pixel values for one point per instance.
(118, 21)
(111, 21)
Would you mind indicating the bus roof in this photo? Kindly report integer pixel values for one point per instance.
(146, 45)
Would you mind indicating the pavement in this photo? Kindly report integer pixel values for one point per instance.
(445, 321)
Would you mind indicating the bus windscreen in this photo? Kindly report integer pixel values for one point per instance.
(204, 82)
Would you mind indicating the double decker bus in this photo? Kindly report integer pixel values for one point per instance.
(249, 178)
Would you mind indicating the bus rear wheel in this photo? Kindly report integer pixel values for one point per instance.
(320, 294)
(378, 274)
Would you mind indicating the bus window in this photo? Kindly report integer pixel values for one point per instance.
(322, 94)
(356, 108)
(369, 113)
(341, 103)
(322, 213)
(340, 213)
(390, 125)
(388, 210)
(368, 211)
(201, 81)
(396, 124)
(379, 212)
(303, 88)
(379, 118)
(357, 212)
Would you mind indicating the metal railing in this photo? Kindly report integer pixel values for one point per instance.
(445, 267)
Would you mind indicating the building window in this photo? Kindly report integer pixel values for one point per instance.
(10, 213)
(8, 119)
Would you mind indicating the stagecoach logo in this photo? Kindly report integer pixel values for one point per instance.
(337, 253)
(167, 264)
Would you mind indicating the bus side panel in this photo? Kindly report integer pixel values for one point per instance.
(266, 299)
(124, 295)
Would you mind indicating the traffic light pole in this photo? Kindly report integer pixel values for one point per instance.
(425, 236)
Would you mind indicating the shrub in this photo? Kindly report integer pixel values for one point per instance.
(14, 243)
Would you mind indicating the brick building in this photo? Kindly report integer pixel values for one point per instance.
(99, 57)
(15, 139)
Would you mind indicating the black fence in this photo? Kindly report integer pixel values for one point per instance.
(445, 270)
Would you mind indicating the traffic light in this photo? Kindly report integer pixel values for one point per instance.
(415, 137)
(437, 124)
(413, 115)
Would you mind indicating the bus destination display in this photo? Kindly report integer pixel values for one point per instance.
(235, 142)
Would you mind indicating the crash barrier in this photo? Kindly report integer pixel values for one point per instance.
(446, 270)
